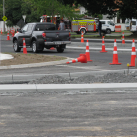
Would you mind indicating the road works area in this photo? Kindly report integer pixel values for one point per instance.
(77, 99)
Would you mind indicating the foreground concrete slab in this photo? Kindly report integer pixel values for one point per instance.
(68, 86)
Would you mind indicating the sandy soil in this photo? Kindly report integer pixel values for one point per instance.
(20, 58)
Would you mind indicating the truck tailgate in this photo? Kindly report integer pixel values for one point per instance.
(57, 35)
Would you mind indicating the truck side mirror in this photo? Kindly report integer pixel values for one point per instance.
(19, 30)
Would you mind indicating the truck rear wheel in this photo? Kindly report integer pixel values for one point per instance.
(34, 47)
(16, 46)
(60, 50)
(40, 50)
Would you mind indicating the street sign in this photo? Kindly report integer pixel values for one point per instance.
(4, 18)
(20, 23)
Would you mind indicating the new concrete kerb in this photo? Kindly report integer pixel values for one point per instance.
(68, 86)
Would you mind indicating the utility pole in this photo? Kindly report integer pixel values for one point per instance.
(3, 15)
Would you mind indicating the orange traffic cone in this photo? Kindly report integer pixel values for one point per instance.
(103, 45)
(24, 47)
(8, 37)
(82, 39)
(115, 55)
(52, 48)
(1, 31)
(133, 54)
(12, 32)
(123, 40)
(82, 59)
(87, 52)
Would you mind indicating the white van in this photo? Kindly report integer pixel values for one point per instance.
(107, 26)
(133, 25)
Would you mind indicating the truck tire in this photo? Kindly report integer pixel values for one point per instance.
(78, 32)
(34, 47)
(60, 50)
(40, 50)
(108, 31)
(16, 46)
(84, 31)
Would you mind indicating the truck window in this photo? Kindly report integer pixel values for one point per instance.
(25, 28)
(43, 27)
(110, 23)
(30, 26)
(52, 27)
(103, 22)
(133, 22)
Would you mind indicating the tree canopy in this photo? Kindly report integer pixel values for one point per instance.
(96, 6)
(33, 9)
(55, 7)
(126, 8)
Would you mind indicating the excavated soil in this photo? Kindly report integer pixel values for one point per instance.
(20, 58)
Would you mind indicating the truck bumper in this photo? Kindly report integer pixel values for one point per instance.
(57, 42)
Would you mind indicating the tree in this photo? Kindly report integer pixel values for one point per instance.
(13, 11)
(100, 6)
(28, 9)
(54, 7)
(67, 2)
(96, 6)
(128, 9)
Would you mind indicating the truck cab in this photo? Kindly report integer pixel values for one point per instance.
(107, 26)
(133, 25)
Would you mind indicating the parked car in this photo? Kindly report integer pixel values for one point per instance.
(41, 35)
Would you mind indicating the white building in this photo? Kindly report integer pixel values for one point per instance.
(82, 10)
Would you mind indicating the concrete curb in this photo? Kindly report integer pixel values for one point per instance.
(110, 49)
(68, 86)
(36, 64)
(118, 40)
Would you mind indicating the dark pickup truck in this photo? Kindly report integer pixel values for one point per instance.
(41, 35)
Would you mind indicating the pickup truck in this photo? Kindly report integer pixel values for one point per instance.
(41, 35)
(107, 26)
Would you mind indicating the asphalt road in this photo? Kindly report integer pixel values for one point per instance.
(100, 61)
(96, 56)
(68, 113)
(30, 113)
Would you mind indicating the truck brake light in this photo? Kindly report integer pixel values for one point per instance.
(44, 35)
(69, 34)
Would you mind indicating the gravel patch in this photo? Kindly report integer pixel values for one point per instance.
(87, 79)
